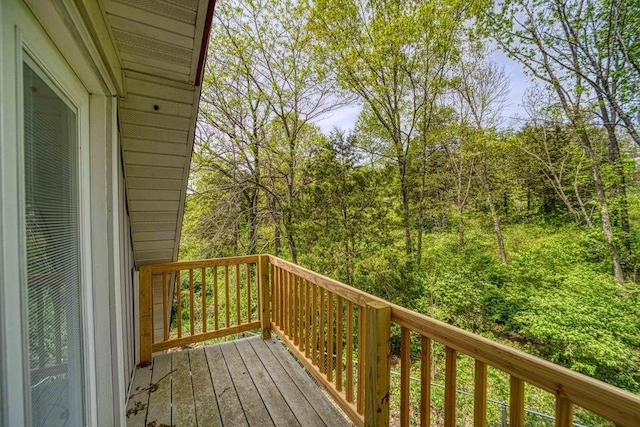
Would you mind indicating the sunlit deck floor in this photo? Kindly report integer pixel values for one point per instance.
(247, 382)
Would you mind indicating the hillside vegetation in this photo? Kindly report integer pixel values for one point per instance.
(526, 232)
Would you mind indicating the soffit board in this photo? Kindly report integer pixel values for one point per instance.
(159, 46)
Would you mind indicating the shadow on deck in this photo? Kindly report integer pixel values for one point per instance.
(247, 382)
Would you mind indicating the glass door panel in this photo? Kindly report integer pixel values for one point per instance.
(53, 254)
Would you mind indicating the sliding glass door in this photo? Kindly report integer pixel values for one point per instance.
(53, 277)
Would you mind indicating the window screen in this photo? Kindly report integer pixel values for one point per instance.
(53, 261)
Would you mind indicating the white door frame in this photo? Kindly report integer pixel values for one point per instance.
(34, 47)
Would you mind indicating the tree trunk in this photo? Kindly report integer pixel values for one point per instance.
(277, 230)
(607, 229)
(252, 219)
(406, 218)
(277, 240)
(289, 235)
(582, 206)
(620, 188)
(492, 208)
(460, 227)
(421, 209)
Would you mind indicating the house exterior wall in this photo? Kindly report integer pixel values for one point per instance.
(60, 34)
(127, 271)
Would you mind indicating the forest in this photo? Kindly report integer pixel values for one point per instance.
(523, 230)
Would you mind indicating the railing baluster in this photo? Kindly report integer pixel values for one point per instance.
(564, 412)
(329, 336)
(349, 392)
(216, 313)
(274, 294)
(301, 320)
(280, 293)
(153, 312)
(301, 316)
(322, 336)
(307, 314)
(285, 302)
(203, 281)
(339, 345)
(405, 375)
(480, 395)
(179, 301)
(516, 402)
(278, 286)
(361, 352)
(238, 308)
(282, 298)
(146, 313)
(425, 382)
(450, 388)
(165, 322)
(291, 302)
(287, 278)
(296, 295)
(314, 326)
(226, 296)
(264, 298)
(248, 273)
(191, 304)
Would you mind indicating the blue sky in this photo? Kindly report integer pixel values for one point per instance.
(345, 118)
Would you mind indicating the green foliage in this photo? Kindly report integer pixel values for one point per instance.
(426, 203)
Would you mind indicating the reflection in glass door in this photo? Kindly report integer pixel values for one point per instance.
(53, 254)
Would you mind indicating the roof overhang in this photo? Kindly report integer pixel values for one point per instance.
(161, 48)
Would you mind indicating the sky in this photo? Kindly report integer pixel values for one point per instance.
(345, 118)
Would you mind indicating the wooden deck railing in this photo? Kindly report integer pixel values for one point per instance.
(212, 299)
(341, 335)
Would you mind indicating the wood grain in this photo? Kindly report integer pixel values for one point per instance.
(564, 412)
(145, 314)
(480, 395)
(450, 388)
(516, 402)
(377, 354)
(405, 375)
(425, 382)
(264, 297)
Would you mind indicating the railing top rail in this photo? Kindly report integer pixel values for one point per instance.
(347, 292)
(189, 265)
(617, 405)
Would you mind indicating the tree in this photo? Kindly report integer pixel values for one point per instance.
(542, 37)
(393, 54)
(549, 143)
(263, 88)
(483, 88)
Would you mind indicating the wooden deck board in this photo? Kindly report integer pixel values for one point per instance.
(228, 401)
(252, 404)
(323, 407)
(304, 412)
(159, 410)
(247, 382)
(184, 406)
(139, 400)
(272, 399)
(207, 411)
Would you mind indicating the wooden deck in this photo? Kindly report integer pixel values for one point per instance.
(247, 382)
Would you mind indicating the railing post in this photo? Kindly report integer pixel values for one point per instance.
(146, 311)
(376, 364)
(263, 289)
